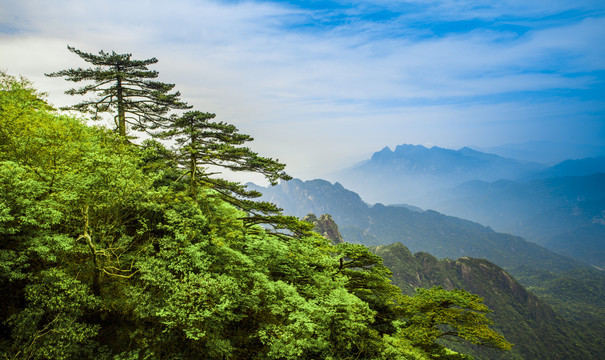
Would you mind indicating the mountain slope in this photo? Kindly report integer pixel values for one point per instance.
(441, 235)
(577, 167)
(536, 331)
(524, 319)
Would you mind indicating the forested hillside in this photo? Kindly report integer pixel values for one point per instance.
(535, 329)
(112, 250)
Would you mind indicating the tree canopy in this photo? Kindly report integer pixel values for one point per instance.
(434, 314)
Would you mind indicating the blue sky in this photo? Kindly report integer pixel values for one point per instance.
(323, 84)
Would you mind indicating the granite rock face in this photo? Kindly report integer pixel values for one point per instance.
(326, 227)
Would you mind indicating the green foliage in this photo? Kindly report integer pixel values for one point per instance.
(50, 326)
(368, 278)
(435, 313)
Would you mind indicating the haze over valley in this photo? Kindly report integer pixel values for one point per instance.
(561, 206)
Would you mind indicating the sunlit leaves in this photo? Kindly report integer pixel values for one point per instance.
(433, 314)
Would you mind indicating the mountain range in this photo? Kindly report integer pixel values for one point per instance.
(561, 207)
(563, 214)
(402, 175)
(489, 207)
(430, 231)
(534, 328)
(410, 172)
(542, 271)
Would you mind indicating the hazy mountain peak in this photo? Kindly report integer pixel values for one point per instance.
(468, 151)
(382, 155)
(420, 152)
(406, 148)
(409, 172)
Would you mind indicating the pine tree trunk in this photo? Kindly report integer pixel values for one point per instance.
(193, 170)
(121, 113)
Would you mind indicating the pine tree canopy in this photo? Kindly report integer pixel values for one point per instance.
(123, 87)
(203, 143)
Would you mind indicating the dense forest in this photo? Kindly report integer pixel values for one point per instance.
(114, 248)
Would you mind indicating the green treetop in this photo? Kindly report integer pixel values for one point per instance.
(124, 88)
(204, 142)
(435, 314)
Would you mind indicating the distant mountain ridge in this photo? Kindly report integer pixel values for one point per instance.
(565, 214)
(412, 170)
(573, 167)
(417, 160)
(561, 207)
(408, 173)
(545, 152)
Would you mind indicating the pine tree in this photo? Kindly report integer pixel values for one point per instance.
(205, 145)
(123, 87)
